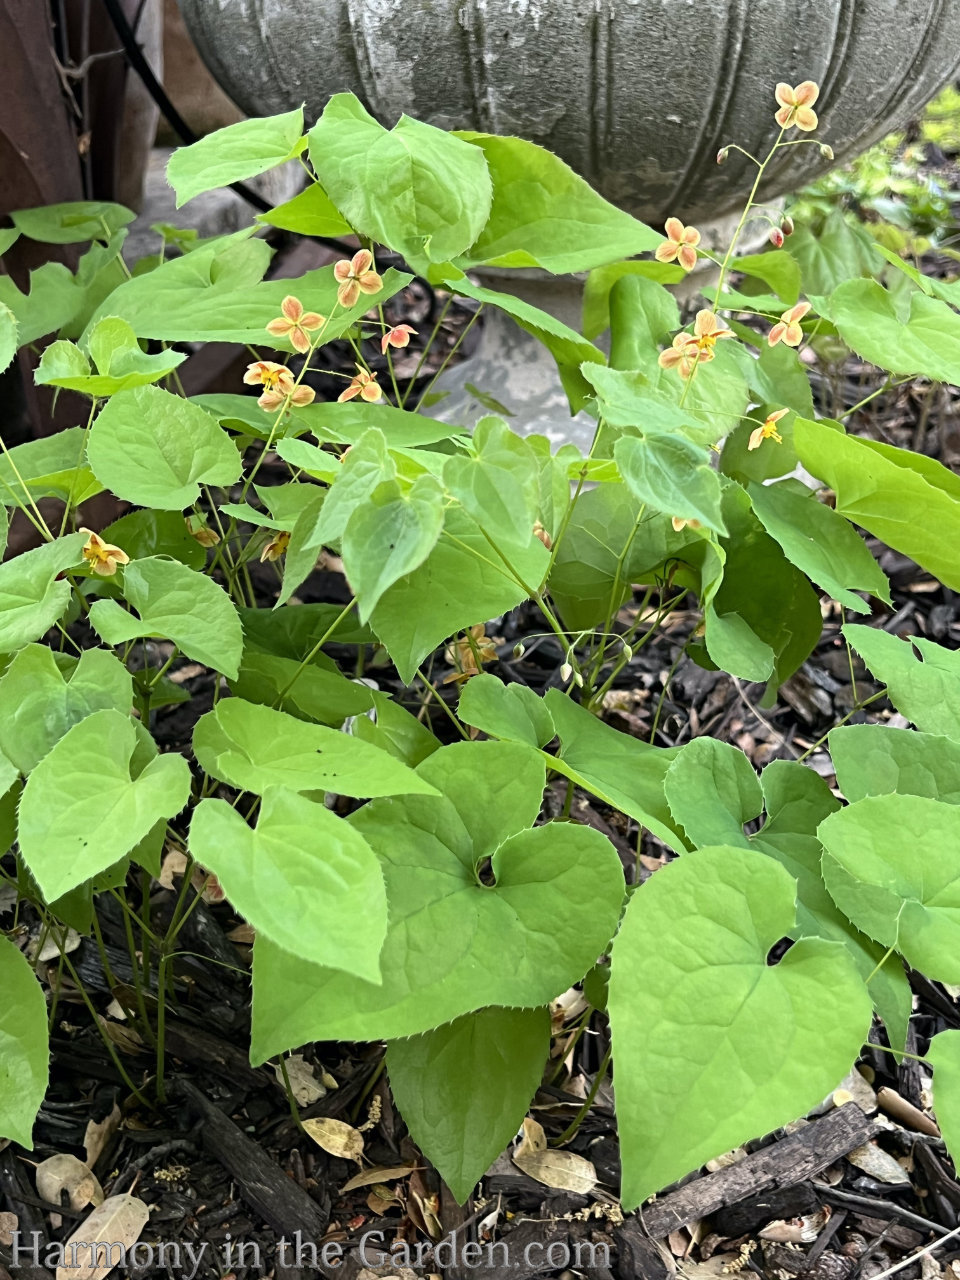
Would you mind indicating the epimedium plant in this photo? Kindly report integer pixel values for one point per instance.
(444, 914)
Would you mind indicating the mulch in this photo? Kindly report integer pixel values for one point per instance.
(222, 1160)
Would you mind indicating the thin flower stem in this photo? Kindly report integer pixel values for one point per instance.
(423, 354)
(588, 1101)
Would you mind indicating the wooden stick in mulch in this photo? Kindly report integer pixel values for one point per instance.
(262, 1183)
(782, 1164)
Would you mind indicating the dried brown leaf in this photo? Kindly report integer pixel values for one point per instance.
(563, 1170)
(389, 1173)
(9, 1223)
(99, 1133)
(304, 1085)
(65, 1172)
(336, 1137)
(119, 1220)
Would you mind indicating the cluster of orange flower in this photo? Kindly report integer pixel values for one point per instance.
(688, 350)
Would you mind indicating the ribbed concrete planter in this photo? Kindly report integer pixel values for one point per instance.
(637, 95)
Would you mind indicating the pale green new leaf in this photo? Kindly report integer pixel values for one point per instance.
(310, 213)
(415, 188)
(253, 747)
(52, 300)
(309, 692)
(944, 1056)
(926, 689)
(389, 536)
(876, 760)
(621, 770)
(217, 294)
(24, 1046)
(73, 222)
(304, 878)
(119, 360)
(464, 1088)
(239, 151)
(821, 543)
(83, 809)
(567, 347)
(8, 336)
(511, 712)
(779, 1037)
(174, 603)
(890, 866)
(673, 476)
(51, 467)
(461, 583)
(713, 789)
(497, 483)
(454, 943)
(42, 696)
(600, 282)
(32, 593)
(156, 449)
(909, 502)
(920, 337)
(545, 215)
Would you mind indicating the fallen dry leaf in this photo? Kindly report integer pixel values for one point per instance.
(65, 1172)
(563, 1170)
(304, 1085)
(119, 1220)
(125, 1038)
(8, 1225)
(174, 864)
(801, 1230)
(99, 1133)
(336, 1137)
(879, 1164)
(244, 933)
(390, 1173)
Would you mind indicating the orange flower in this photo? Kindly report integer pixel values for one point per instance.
(295, 324)
(468, 654)
(198, 529)
(356, 277)
(707, 330)
(275, 547)
(690, 349)
(399, 336)
(680, 244)
(788, 328)
(768, 431)
(365, 385)
(278, 385)
(683, 355)
(103, 557)
(796, 106)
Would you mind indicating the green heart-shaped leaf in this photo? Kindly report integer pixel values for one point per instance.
(696, 938)
(156, 449)
(464, 1088)
(891, 867)
(82, 809)
(926, 689)
(41, 697)
(456, 942)
(304, 878)
(178, 604)
(254, 747)
(24, 1046)
(33, 595)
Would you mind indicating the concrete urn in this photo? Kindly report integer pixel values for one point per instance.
(636, 95)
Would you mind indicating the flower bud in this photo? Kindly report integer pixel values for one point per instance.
(826, 151)
(722, 155)
(566, 671)
(787, 225)
(775, 236)
(518, 649)
(627, 652)
(578, 679)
